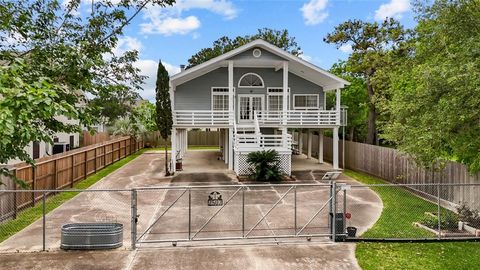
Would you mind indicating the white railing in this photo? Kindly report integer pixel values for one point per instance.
(258, 142)
(202, 118)
(299, 118)
(256, 124)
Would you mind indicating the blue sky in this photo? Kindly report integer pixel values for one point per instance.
(173, 34)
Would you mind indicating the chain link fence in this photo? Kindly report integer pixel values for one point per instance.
(38, 227)
(173, 214)
(417, 212)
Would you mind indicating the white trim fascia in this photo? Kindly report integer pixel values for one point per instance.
(259, 42)
(333, 87)
(278, 67)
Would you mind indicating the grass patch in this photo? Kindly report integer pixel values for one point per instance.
(31, 214)
(401, 209)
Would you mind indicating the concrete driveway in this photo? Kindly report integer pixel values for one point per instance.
(146, 171)
(289, 256)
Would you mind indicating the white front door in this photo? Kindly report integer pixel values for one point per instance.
(247, 105)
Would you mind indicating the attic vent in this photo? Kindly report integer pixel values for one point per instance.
(257, 53)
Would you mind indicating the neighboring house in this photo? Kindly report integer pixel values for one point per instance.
(42, 149)
(255, 95)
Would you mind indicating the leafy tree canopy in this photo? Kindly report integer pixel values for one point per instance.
(372, 44)
(279, 38)
(435, 92)
(53, 57)
(355, 98)
(163, 106)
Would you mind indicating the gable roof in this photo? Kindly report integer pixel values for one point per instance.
(297, 66)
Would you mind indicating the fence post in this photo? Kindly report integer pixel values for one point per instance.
(295, 209)
(34, 180)
(85, 165)
(334, 208)
(95, 161)
(55, 176)
(73, 169)
(189, 213)
(43, 221)
(438, 212)
(15, 195)
(243, 212)
(134, 219)
(104, 156)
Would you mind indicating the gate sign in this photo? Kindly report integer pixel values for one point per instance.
(215, 199)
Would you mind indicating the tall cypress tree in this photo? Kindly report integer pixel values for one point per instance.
(164, 119)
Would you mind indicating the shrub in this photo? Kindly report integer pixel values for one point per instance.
(448, 221)
(472, 217)
(266, 165)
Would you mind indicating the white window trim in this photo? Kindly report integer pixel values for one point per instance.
(218, 94)
(306, 108)
(278, 94)
(251, 73)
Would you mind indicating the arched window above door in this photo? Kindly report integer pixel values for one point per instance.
(251, 80)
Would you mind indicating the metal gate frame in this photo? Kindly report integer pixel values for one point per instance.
(334, 188)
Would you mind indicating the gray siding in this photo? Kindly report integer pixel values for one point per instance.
(266, 55)
(196, 94)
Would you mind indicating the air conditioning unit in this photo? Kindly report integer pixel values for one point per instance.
(60, 147)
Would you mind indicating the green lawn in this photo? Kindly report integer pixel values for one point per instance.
(401, 209)
(29, 215)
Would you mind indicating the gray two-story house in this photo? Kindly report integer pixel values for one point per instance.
(255, 95)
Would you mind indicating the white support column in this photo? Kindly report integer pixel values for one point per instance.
(285, 96)
(230, 87)
(337, 105)
(174, 149)
(230, 148)
(320, 146)
(226, 147)
(300, 141)
(309, 143)
(221, 142)
(335, 149)
(185, 142)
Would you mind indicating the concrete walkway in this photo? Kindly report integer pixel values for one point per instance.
(146, 171)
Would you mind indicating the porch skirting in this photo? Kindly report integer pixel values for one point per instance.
(243, 168)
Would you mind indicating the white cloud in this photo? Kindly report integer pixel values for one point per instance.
(314, 11)
(393, 9)
(168, 26)
(148, 68)
(222, 7)
(346, 48)
(169, 20)
(127, 44)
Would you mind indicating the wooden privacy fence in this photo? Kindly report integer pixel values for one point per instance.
(89, 139)
(396, 167)
(61, 171)
(195, 138)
